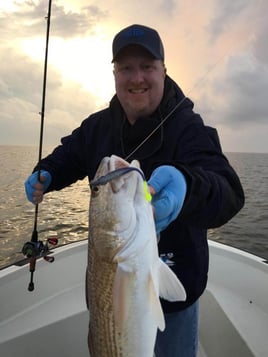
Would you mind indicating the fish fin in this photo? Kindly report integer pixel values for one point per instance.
(170, 287)
(122, 294)
(155, 305)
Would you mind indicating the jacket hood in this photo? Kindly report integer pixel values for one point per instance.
(173, 95)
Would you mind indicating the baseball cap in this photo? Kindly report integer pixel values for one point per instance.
(139, 35)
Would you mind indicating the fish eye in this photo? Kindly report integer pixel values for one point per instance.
(94, 191)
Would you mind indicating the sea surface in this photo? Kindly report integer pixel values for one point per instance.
(65, 213)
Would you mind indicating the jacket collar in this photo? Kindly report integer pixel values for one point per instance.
(131, 136)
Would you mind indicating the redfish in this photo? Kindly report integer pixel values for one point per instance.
(125, 276)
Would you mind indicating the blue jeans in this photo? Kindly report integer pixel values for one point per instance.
(180, 337)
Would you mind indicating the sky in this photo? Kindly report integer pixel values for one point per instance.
(215, 50)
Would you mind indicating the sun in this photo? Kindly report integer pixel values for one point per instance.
(86, 61)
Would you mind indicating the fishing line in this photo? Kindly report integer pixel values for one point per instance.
(37, 248)
(196, 84)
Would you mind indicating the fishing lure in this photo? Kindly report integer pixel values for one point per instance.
(103, 180)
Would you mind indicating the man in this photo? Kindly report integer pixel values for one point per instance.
(193, 185)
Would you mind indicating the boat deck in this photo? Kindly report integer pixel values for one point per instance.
(53, 320)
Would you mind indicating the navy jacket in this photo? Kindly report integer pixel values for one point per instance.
(214, 193)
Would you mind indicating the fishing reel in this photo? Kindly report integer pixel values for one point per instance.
(39, 249)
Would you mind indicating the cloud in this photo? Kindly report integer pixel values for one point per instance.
(21, 98)
(227, 14)
(169, 7)
(19, 75)
(259, 36)
(29, 20)
(248, 82)
(233, 94)
(240, 93)
(217, 53)
(71, 24)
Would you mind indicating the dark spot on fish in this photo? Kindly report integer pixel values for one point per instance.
(94, 191)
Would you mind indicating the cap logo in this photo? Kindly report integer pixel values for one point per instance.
(134, 32)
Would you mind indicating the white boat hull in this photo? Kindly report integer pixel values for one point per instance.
(53, 319)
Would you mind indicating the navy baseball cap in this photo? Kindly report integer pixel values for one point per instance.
(139, 35)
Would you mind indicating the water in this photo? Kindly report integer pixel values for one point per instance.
(248, 230)
(65, 213)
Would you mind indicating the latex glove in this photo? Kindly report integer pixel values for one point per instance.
(34, 188)
(168, 190)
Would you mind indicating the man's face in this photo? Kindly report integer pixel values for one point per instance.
(139, 82)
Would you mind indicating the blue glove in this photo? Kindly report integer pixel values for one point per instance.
(33, 180)
(170, 187)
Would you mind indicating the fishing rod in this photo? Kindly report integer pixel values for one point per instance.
(35, 248)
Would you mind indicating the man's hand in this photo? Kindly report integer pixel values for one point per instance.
(168, 187)
(34, 188)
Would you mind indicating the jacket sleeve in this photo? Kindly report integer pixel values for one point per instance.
(214, 192)
(66, 163)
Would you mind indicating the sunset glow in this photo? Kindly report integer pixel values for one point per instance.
(215, 50)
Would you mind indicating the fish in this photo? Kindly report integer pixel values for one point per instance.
(125, 277)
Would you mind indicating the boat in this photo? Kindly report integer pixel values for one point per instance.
(53, 319)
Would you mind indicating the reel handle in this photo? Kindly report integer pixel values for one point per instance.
(34, 250)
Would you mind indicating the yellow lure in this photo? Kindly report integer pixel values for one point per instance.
(147, 194)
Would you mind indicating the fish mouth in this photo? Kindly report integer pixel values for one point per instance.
(115, 169)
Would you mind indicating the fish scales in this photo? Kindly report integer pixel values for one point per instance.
(124, 271)
(100, 277)
(102, 337)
